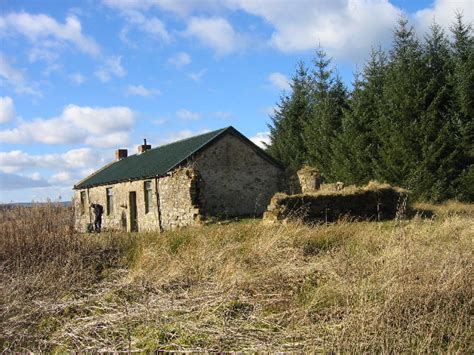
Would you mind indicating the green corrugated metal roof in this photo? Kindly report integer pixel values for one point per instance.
(153, 162)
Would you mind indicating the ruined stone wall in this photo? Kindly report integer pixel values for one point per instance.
(309, 179)
(237, 181)
(120, 218)
(373, 202)
(179, 194)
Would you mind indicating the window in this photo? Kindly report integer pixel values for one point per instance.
(148, 196)
(110, 201)
(83, 202)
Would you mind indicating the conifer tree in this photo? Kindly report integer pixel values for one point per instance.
(356, 147)
(463, 107)
(286, 130)
(329, 99)
(402, 106)
(439, 156)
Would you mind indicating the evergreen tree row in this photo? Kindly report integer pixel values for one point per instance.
(408, 120)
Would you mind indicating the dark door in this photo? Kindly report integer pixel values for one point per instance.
(132, 197)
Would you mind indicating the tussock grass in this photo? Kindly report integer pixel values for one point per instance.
(349, 286)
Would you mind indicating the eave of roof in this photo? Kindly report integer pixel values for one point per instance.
(160, 160)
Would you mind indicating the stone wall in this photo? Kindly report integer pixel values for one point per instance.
(178, 195)
(229, 178)
(309, 179)
(373, 202)
(180, 198)
(120, 218)
(237, 180)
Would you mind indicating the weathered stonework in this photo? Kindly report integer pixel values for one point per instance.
(119, 219)
(229, 178)
(309, 179)
(237, 180)
(179, 198)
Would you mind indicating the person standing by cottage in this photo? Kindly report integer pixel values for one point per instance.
(98, 211)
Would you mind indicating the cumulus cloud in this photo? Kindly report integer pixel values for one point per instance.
(216, 33)
(178, 7)
(111, 67)
(343, 27)
(64, 169)
(16, 181)
(187, 115)
(15, 78)
(197, 76)
(279, 81)
(102, 127)
(73, 160)
(179, 135)
(140, 90)
(134, 13)
(150, 25)
(7, 109)
(261, 139)
(46, 33)
(223, 115)
(77, 78)
(443, 12)
(180, 60)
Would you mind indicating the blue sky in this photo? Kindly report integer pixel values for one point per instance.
(79, 79)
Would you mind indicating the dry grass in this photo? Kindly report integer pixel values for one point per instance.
(388, 286)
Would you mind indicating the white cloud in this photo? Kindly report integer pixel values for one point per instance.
(160, 121)
(15, 78)
(224, 115)
(112, 66)
(76, 159)
(134, 13)
(279, 81)
(102, 127)
(343, 27)
(176, 136)
(7, 109)
(269, 110)
(197, 76)
(114, 139)
(39, 28)
(77, 78)
(140, 90)
(216, 33)
(181, 7)
(261, 138)
(60, 178)
(150, 25)
(180, 60)
(64, 169)
(443, 12)
(15, 181)
(187, 115)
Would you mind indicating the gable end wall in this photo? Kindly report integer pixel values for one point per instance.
(237, 180)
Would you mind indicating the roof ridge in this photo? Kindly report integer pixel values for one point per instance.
(139, 165)
(191, 137)
(217, 132)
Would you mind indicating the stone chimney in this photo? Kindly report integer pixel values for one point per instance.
(143, 147)
(121, 154)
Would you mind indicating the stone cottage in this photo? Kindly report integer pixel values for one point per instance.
(220, 174)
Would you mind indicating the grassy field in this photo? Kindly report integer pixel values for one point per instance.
(350, 286)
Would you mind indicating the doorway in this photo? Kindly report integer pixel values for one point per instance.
(132, 202)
